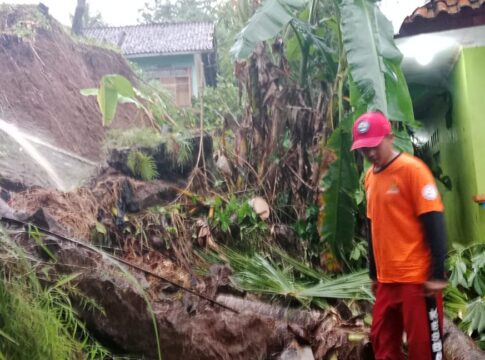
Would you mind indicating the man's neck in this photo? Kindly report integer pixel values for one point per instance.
(392, 156)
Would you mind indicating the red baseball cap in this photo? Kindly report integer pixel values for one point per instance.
(369, 130)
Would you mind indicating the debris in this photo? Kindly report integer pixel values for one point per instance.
(260, 206)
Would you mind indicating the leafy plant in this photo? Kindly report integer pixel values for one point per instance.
(238, 215)
(341, 183)
(142, 165)
(260, 274)
(113, 89)
(467, 271)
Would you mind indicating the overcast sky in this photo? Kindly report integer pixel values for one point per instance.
(114, 12)
(125, 12)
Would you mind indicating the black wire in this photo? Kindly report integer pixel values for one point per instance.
(89, 247)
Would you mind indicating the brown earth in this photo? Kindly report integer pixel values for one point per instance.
(43, 71)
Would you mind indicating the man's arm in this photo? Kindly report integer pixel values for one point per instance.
(370, 250)
(434, 232)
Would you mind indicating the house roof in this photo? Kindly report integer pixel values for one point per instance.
(438, 15)
(151, 39)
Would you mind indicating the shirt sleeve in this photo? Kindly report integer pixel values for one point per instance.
(424, 190)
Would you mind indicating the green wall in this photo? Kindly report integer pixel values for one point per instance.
(460, 146)
(151, 63)
(455, 140)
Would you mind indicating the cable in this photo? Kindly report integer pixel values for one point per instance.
(89, 247)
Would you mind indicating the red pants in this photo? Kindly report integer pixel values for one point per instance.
(404, 307)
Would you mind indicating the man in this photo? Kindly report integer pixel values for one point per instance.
(407, 245)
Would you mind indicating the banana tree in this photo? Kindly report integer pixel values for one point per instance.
(353, 41)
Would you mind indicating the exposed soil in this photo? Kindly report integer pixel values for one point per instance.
(43, 71)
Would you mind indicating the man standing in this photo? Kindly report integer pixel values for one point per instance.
(407, 245)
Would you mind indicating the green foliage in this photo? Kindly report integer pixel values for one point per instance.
(238, 215)
(134, 137)
(39, 322)
(307, 230)
(260, 274)
(113, 89)
(266, 23)
(341, 183)
(466, 300)
(220, 102)
(142, 165)
(374, 60)
(180, 146)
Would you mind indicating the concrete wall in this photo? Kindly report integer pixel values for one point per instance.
(153, 63)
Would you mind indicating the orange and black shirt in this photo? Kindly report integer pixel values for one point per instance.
(396, 196)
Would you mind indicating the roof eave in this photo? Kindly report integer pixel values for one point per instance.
(141, 55)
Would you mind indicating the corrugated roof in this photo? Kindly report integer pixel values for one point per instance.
(167, 38)
(434, 8)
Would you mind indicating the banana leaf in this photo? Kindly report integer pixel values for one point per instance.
(374, 60)
(266, 23)
(341, 183)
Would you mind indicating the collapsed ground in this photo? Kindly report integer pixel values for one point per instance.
(140, 223)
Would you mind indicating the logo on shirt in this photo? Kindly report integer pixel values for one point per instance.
(393, 189)
(363, 127)
(430, 192)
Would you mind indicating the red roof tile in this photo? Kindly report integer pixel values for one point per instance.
(438, 15)
(433, 8)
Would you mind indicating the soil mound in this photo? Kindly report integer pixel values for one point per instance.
(43, 71)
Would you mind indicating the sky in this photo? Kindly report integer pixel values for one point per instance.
(117, 12)
(114, 12)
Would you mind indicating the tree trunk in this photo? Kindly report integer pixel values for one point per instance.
(77, 20)
(458, 346)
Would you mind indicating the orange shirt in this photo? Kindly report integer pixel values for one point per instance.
(396, 197)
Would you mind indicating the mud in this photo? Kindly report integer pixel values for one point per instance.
(43, 71)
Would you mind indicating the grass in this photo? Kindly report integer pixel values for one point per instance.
(39, 322)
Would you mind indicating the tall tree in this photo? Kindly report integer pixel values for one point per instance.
(77, 20)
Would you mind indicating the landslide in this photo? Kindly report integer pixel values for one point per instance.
(43, 70)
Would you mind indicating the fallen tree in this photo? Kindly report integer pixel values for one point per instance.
(137, 311)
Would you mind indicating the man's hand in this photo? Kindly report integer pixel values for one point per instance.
(431, 287)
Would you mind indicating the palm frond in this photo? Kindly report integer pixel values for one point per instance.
(260, 274)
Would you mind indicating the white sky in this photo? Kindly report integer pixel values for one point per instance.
(114, 12)
(125, 12)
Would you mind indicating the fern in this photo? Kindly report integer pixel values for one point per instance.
(180, 148)
(142, 165)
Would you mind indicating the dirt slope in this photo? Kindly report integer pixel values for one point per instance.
(43, 70)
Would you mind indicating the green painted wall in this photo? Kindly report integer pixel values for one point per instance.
(156, 62)
(460, 146)
(474, 80)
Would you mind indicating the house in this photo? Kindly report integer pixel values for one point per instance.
(443, 43)
(180, 55)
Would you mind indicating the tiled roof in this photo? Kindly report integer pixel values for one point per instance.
(433, 8)
(439, 15)
(167, 38)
